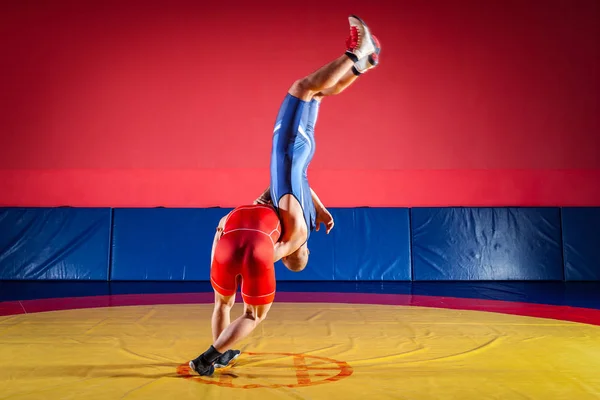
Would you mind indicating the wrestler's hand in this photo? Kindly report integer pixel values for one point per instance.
(264, 198)
(324, 217)
(262, 201)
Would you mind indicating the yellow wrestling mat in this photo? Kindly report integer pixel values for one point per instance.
(302, 351)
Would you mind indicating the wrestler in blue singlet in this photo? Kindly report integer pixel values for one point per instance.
(293, 149)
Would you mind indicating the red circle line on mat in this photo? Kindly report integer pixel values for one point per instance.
(563, 313)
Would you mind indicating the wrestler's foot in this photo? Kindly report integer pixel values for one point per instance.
(201, 368)
(226, 358)
(368, 62)
(360, 43)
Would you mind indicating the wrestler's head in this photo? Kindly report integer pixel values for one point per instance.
(297, 261)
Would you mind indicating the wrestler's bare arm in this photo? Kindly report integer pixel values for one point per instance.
(294, 231)
(323, 215)
(218, 234)
(264, 198)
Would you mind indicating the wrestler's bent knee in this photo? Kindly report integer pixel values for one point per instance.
(301, 89)
(257, 313)
(224, 301)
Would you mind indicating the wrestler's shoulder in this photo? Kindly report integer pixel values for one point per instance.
(265, 208)
(255, 212)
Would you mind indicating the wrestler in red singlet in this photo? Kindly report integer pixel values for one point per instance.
(246, 249)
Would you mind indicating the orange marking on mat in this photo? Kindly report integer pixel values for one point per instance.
(300, 377)
(225, 380)
(301, 370)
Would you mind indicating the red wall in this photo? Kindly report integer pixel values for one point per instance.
(173, 103)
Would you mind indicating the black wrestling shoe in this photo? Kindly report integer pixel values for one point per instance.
(200, 368)
(226, 358)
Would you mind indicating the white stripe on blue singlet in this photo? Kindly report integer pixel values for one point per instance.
(303, 133)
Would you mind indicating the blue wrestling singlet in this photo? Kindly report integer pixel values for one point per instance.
(293, 149)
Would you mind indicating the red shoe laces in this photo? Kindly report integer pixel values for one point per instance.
(352, 40)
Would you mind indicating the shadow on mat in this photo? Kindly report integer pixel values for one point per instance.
(97, 371)
(145, 370)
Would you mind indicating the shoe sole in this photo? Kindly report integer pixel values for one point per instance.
(192, 367)
(223, 366)
(359, 20)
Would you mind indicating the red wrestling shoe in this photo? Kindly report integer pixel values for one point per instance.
(360, 43)
(368, 62)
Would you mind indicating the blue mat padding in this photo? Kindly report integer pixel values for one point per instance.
(54, 243)
(581, 243)
(163, 244)
(367, 244)
(467, 244)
